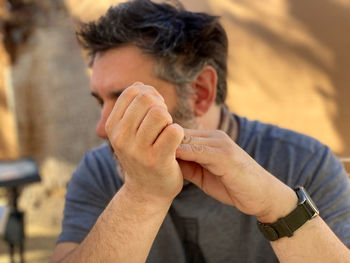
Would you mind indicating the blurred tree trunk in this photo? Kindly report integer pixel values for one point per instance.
(8, 129)
(55, 114)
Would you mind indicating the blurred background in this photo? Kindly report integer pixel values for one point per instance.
(289, 64)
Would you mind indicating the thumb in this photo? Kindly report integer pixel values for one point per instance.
(192, 172)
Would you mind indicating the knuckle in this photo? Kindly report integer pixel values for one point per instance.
(110, 127)
(144, 98)
(221, 133)
(175, 130)
(197, 148)
(150, 89)
(117, 141)
(224, 136)
(131, 91)
(228, 151)
(158, 113)
(187, 139)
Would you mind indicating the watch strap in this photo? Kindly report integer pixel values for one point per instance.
(286, 226)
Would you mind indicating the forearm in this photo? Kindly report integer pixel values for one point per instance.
(124, 232)
(231, 176)
(312, 242)
(144, 138)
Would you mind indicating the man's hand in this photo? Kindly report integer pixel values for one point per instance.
(142, 134)
(216, 164)
(145, 140)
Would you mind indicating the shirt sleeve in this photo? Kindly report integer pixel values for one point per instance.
(328, 184)
(92, 186)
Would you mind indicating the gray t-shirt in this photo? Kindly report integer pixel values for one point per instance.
(198, 224)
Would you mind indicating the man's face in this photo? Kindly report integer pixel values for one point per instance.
(116, 69)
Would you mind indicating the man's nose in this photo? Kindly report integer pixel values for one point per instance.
(100, 127)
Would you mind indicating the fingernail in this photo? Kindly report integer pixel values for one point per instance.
(186, 139)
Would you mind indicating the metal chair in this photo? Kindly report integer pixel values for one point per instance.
(14, 175)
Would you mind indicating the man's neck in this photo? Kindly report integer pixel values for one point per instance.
(211, 121)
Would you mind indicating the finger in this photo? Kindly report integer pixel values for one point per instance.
(138, 109)
(124, 100)
(198, 153)
(156, 119)
(151, 88)
(120, 107)
(198, 133)
(205, 133)
(189, 172)
(191, 139)
(169, 139)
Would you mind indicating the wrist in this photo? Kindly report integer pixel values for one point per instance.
(286, 226)
(145, 199)
(281, 201)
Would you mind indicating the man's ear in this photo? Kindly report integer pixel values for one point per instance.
(204, 87)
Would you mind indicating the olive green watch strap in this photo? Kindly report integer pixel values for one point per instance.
(286, 226)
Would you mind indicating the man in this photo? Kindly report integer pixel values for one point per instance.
(159, 74)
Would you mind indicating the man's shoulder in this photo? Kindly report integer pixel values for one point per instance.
(98, 160)
(257, 134)
(291, 156)
(92, 186)
(101, 152)
(98, 169)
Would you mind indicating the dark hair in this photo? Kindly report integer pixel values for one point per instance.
(182, 42)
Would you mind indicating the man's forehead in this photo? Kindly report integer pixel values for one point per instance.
(126, 60)
(125, 51)
(115, 70)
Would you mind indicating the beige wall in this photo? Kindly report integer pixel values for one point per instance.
(289, 65)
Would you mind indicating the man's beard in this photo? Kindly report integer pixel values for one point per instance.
(184, 115)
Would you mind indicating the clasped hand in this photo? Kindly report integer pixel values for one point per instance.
(145, 139)
(157, 154)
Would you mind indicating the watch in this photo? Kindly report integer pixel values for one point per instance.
(286, 226)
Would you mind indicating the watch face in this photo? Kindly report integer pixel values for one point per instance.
(306, 201)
